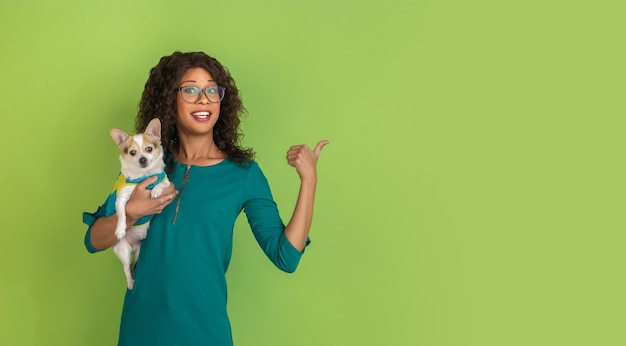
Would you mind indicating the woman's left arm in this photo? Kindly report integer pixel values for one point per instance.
(305, 162)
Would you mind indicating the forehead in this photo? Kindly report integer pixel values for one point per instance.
(140, 140)
(137, 139)
(197, 75)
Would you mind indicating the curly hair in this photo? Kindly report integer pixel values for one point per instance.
(158, 100)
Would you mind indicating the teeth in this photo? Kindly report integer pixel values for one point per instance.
(206, 114)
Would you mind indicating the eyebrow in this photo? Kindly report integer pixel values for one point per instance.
(185, 81)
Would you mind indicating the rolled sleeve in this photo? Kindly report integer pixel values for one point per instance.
(106, 209)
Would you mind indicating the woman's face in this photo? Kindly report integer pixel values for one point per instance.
(194, 116)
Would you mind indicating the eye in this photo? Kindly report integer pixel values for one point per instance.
(133, 152)
(211, 90)
(190, 90)
(149, 149)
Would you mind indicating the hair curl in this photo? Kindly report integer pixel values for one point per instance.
(158, 100)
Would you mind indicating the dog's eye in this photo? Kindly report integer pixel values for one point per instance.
(149, 149)
(133, 152)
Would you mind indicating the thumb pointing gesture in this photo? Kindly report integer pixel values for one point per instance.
(319, 146)
(304, 160)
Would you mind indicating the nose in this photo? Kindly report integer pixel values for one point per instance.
(203, 97)
(143, 160)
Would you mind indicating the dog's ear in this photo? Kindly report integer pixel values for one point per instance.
(154, 128)
(119, 136)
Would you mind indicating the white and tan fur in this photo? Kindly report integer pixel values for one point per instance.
(141, 156)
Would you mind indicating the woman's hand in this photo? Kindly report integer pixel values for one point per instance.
(305, 160)
(141, 204)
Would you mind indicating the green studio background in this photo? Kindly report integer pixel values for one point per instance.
(472, 193)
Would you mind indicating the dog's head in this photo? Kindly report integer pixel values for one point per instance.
(141, 154)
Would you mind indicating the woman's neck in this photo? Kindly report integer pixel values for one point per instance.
(199, 152)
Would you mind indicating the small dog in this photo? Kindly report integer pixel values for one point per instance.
(141, 157)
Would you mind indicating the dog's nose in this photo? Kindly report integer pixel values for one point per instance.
(143, 160)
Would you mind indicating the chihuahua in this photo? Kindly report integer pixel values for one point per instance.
(141, 157)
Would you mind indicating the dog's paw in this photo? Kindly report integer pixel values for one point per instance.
(120, 233)
(156, 193)
(158, 189)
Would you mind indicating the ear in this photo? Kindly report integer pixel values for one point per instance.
(119, 136)
(154, 128)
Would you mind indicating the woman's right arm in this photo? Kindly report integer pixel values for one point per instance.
(102, 234)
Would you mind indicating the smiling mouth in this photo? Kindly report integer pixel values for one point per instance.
(201, 115)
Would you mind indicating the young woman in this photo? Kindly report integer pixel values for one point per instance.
(179, 297)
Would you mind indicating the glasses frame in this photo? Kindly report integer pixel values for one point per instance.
(221, 90)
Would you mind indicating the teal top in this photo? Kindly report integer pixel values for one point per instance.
(179, 297)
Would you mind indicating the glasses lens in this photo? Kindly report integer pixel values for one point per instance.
(190, 93)
(193, 94)
(215, 93)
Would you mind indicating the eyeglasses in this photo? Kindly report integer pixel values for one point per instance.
(193, 94)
